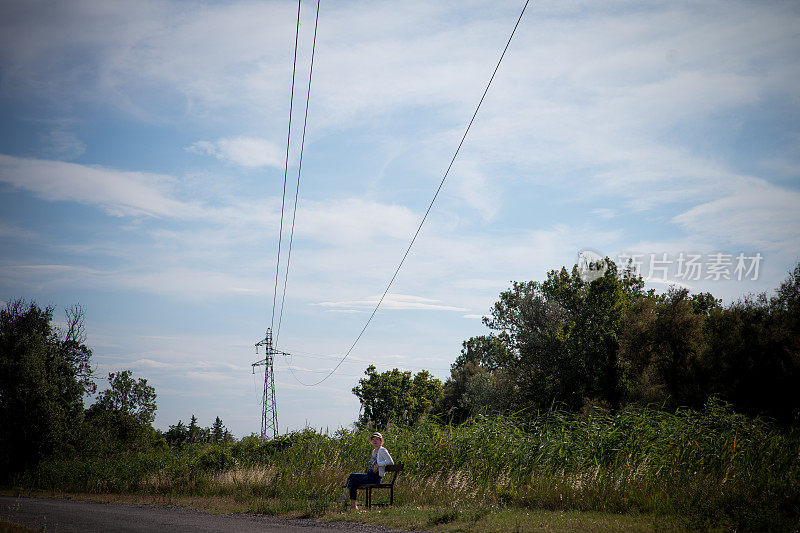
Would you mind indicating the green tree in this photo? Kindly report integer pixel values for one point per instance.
(218, 431)
(177, 435)
(562, 335)
(752, 357)
(194, 431)
(661, 346)
(488, 351)
(44, 373)
(122, 415)
(128, 396)
(478, 381)
(395, 396)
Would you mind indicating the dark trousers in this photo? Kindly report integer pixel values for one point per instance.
(355, 480)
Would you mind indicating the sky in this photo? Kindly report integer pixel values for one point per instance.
(142, 150)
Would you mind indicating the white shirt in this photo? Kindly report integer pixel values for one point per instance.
(382, 458)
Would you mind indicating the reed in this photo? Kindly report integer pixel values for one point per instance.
(709, 468)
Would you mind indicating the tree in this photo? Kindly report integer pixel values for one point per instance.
(122, 415)
(576, 342)
(394, 396)
(44, 374)
(661, 343)
(194, 431)
(128, 396)
(562, 335)
(752, 358)
(218, 431)
(487, 394)
(488, 351)
(177, 435)
(478, 382)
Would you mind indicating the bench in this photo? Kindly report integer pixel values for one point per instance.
(394, 470)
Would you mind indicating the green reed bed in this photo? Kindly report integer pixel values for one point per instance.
(711, 467)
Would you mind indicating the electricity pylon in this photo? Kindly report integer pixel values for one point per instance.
(269, 409)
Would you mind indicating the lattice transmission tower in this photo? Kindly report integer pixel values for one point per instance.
(269, 408)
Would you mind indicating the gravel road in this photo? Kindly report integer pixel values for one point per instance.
(62, 516)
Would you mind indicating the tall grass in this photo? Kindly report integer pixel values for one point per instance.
(709, 468)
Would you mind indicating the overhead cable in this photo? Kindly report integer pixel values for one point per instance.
(286, 166)
(430, 206)
(299, 169)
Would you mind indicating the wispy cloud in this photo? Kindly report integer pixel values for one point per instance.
(393, 301)
(248, 152)
(750, 213)
(117, 193)
(61, 143)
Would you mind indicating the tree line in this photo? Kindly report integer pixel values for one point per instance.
(46, 374)
(565, 342)
(180, 434)
(576, 344)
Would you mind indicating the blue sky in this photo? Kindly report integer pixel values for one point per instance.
(141, 171)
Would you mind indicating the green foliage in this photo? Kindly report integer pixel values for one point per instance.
(562, 335)
(479, 382)
(194, 433)
(395, 396)
(662, 343)
(254, 451)
(576, 343)
(127, 396)
(120, 418)
(180, 434)
(177, 435)
(215, 459)
(44, 374)
(708, 468)
(488, 351)
(218, 431)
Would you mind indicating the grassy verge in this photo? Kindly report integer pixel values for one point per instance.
(411, 518)
(708, 469)
(504, 519)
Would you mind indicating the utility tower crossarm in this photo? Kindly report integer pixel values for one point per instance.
(269, 410)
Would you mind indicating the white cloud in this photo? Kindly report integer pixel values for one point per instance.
(394, 302)
(750, 213)
(248, 152)
(354, 221)
(118, 193)
(604, 212)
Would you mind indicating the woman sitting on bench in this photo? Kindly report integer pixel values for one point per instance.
(376, 469)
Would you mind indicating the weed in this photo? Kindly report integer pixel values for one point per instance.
(443, 517)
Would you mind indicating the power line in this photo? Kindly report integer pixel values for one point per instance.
(292, 368)
(299, 169)
(286, 165)
(311, 355)
(323, 357)
(430, 206)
